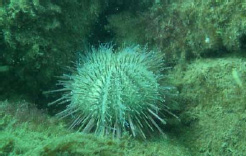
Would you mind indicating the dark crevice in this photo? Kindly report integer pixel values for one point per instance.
(99, 34)
(242, 41)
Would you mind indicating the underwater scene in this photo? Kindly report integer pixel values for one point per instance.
(122, 77)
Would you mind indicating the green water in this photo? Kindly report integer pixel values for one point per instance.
(202, 46)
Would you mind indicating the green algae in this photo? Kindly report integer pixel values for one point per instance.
(184, 30)
(30, 132)
(38, 37)
(214, 114)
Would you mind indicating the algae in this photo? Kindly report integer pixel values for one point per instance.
(185, 30)
(39, 37)
(214, 114)
(25, 130)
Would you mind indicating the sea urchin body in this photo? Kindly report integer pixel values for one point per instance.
(115, 92)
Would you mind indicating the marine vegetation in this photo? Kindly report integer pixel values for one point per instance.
(28, 131)
(33, 34)
(185, 30)
(114, 92)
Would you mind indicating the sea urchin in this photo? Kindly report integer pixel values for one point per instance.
(115, 92)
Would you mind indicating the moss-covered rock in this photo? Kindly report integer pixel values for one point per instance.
(28, 131)
(185, 29)
(38, 38)
(213, 92)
